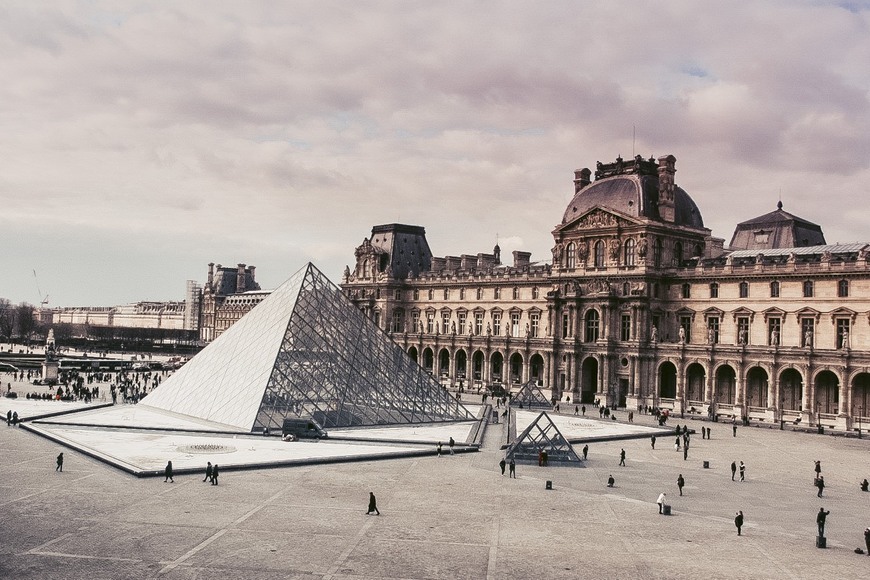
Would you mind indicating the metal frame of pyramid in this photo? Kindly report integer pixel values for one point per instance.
(306, 352)
(530, 395)
(543, 435)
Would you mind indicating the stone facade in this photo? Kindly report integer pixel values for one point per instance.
(227, 295)
(640, 305)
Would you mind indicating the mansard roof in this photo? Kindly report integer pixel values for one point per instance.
(777, 229)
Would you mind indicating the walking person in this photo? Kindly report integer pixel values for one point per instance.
(820, 483)
(734, 428)
(512, 469)
(610, 481)
(680, 483)
(59, 463)
(685, 452)
(661, 502)
(208, 472)
(502, 465)
(214, 474)
(742, 472)
(652, 441)
(738, 521)
(818, 468)
(373, 505)
(167, 472)
(622, 458)
(677, 443)
(820, 521)
(733, 470)
(867, 539)
(439, 449)
(585, 451)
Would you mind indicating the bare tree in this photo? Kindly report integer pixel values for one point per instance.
(24, 318)
(7, 318)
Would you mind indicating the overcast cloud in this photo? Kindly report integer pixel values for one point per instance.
(141, 141)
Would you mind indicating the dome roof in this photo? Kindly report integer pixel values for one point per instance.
(635, 192)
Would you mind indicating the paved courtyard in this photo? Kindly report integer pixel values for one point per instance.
(448, 517)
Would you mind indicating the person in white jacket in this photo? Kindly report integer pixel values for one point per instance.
(661, 502)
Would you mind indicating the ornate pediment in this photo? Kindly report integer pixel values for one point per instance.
(743, 311)
(774, 312)
(596, 219)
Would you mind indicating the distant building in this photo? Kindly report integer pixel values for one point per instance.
(228, 294)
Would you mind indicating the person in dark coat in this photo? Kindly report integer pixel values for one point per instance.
(680, 483)
(818, 468)
(610, 481)
(622, 458)
(742, 472)
(373, 505)
(214, 474)
(733, 470)
(450, 445)
(820, 483)
(865, 485)
(167, 472)
(867, 539)
(59, 463)
(502, 465)
(738, 521)
(652, 441)
(208, 472)
(512, 468)
(820, 521)
(585, 452)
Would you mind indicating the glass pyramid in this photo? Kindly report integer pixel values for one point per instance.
(530, 396)
(306, 351)
(543, 435)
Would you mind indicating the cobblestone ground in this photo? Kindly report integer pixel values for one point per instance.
(448, 517)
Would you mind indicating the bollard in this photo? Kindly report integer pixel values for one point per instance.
(549, 485)
(706, 465)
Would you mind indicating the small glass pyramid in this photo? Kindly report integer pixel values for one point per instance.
(530, 395)
(543, 435)
(306, 351)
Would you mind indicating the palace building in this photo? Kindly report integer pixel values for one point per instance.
(640, 305)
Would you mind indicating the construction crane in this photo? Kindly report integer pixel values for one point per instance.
(43, 300)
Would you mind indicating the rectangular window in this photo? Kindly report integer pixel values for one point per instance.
(687, 290)
(478, 323)
(415, 317)
(496, 323)
(686, 325)
(430, 322)
(461, 316)
(447, 294)
(843, 289)
(535, 320)
(565, 326)
(496, 293)
(808, 328)
(713, 330)
(462, 293)
(398, 321)
(625, 328)
(657, 323)
(377, 318)
(445, 322)
(416, 294)
(714, 290)
(515, 324)
(774, 331)
(480, 293)
(843, 333)
(397, 295)
(742, 330)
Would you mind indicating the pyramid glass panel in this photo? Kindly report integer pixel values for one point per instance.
(543, 435)
(307, 352)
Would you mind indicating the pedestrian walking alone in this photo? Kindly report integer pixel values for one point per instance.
(208, 472)
(820, 483)
(622, 458)
(512, 469)
(214, 474)
(59, 463)
(680, 483)
(685, 452)
(502, 465)
(742, 472)
(167, 472)
(652, 441)
(738, 521)
(373, 505)
(610, 481)
(439, 449)
(585, 451)
(733, 470)
(820, 521)
(734, 429)
(818, 468)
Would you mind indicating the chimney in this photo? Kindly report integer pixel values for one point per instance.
(240, 278)
(521, 259)
(252, 270)
(210, 275)
(667, 187)
(581, 178)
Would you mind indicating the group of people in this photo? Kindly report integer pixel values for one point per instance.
(212, 472)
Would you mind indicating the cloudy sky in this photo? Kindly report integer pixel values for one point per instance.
(141, 140)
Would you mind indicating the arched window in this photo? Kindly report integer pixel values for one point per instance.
(657, 253)
(774, 289)
(570, 256)
(599, 254)
(744, 289)
(535, 293)
(808, 289)
(446, 294)
(516, 293)
(628, 252)
(626, 289)
(431, 294)
(592, 326)
(366, 271)
(843, 288)
(678, 254)
(496, 293)
(480, 293)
